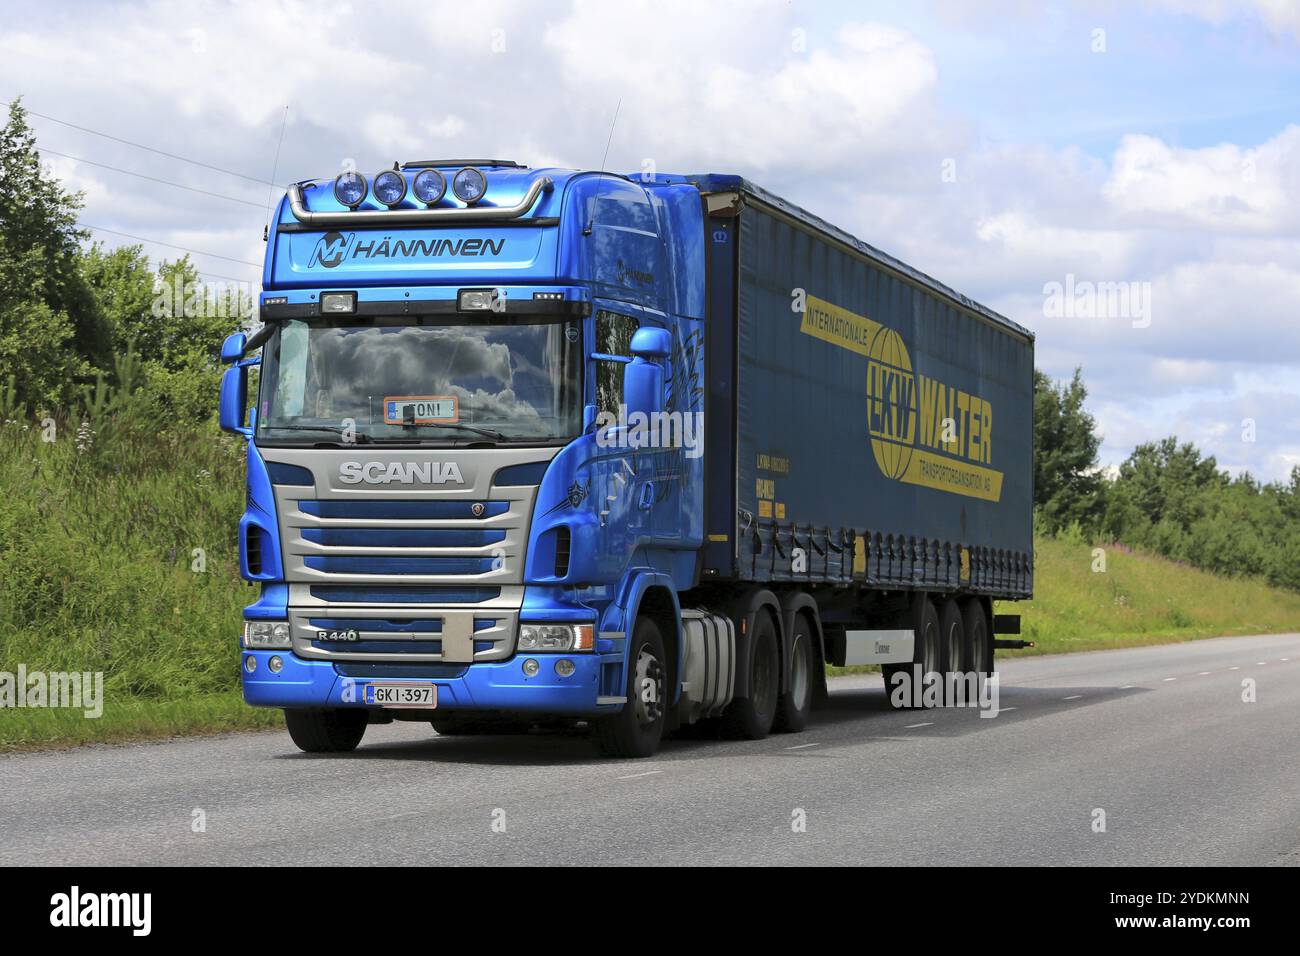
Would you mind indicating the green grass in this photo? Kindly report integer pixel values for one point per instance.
(1139, 599)
(96, 554)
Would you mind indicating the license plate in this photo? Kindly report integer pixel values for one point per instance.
(402, 695)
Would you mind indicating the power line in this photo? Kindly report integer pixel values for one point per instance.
(169, 245)
(155, 179)
(118, 139)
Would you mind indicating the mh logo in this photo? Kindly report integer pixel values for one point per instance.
(331, 249)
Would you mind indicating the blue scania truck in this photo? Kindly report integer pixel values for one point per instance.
(538, 445)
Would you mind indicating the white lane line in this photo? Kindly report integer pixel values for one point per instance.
(802, 746)
(1003, 710)
(1128, 686)
(1260, 663)
(1202, 673)
(1171, 678)
(1284, 658)
(1234, 668)
(633, 776)
(1073, 697)
(914, 726)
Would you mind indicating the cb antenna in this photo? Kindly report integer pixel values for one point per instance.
(591, 220)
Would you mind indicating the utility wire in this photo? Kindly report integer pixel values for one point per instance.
(127, 142)
(157, 242)
(155, 179)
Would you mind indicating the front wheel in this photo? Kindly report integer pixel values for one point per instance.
(326, 730)
(636, 730)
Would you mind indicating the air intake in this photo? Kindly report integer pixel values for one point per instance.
(253, 550)
(562, 544)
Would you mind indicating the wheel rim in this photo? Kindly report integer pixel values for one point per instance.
(648, 668)
(799, 672)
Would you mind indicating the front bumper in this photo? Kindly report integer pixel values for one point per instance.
(487, 685)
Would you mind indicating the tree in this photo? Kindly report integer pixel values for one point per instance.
(1067, 484)
(44, 290)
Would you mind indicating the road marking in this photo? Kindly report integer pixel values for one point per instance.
(1234, 668)
(1128, 686)
(1171, 678)
(802, 746)
(1260, 663)
(1202, 673)
(1072, 697)
(1003, 710)
(914, 726)
(1284, 658)
(633, 776)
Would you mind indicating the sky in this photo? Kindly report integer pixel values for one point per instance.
(1013, 149)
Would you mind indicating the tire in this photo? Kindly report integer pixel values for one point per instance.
(952, 648)
(978, 654)
(326, 730)
(924, 620)
(637, 729)
(751, 717)
(793, 707)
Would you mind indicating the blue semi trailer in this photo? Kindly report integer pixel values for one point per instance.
(549, 445)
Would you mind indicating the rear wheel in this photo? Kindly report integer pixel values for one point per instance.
(926, 652)
(978, 654)
(326, 730)
(952, 646)
(793, 706)
(636, 730)
(751, 717)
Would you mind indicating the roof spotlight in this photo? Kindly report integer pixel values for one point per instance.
(350, 189)
(430, 186)
(390, 187)
(469, 185)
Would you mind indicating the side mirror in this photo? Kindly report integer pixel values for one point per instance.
(234, 400)
(232, 350)
(643, 378)
(652, 343)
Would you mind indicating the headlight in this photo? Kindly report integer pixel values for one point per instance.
(556, 637)
(264, 634)
(389, 187)
(469, 185)
(350, 189)
(429, 186)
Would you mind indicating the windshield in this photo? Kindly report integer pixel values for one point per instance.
(425, 379)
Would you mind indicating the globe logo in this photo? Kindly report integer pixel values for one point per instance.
(891, 403)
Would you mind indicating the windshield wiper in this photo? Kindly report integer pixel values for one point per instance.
(491, 433)
(359, 438)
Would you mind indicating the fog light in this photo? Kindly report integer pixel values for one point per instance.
(469, 185)
(250, 663)
(350, 189)
(275, 664)
(531, 667)
(564, 667)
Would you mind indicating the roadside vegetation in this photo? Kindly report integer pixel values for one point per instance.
(120, 498)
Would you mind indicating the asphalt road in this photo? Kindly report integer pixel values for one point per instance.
(1159, 738)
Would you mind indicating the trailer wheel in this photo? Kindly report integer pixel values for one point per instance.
(635, 731)
(952, 646)
(751, 717)
(328, 730)
(978, 655)
(926, 652)
(793, 706)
